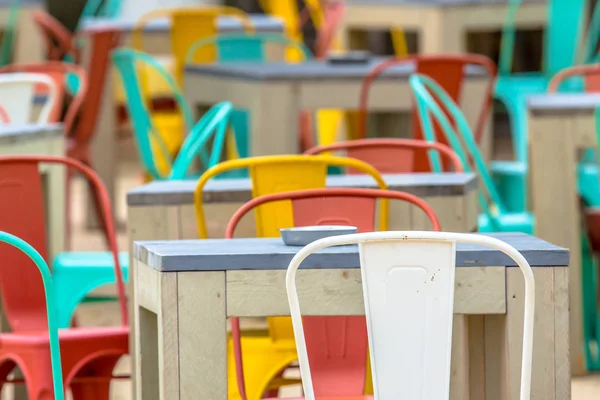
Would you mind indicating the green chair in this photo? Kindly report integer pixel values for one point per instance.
(433, 101)
(8, 40)
(38, 260)
(563, 35)
(157, 159)
(244, 48)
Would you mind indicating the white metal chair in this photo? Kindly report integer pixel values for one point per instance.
(17, 96)
(408, 287)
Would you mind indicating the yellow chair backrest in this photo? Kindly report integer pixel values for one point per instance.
(192, 24)
(276, 174)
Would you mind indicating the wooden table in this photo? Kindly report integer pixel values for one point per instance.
(29, 45)
(274, 95)
(157, 41)
(44, 140)
(186, 290)
(441, 25)
(559, 126)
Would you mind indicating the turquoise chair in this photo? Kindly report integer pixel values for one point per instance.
(38, 260)
(563, 35)
(495, 217)
(8, 39)
(243, 47)
(213, 124)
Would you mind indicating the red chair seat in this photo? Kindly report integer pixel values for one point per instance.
(328, 398)
(117, 334)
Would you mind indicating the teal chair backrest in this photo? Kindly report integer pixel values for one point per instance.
(245, 47)
(128, 63)
(430, 98)
(562, 38)
(8, 39)
(38, 260)
(101, 9)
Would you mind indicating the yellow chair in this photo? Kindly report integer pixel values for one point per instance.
(266, 357)
(187, 25)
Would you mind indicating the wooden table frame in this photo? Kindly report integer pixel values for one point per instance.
(157, 42)
(275, 96)
(442, 27)
(559, 126)
(182, 310)
(43, 140)
(164, 210)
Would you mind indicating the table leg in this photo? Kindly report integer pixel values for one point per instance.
(29, 47)
(550, 378)
(274, 120)
(555, 205)
(202, 335)
(156, 342)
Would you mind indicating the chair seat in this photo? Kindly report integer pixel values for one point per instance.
(509, 222)
(90, 260)
(67, 337)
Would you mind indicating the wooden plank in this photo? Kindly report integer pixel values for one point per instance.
(169, 338)
(339, 292)
(555, 205)
(202, 335)
(459, 368)
(562, 365)
(476, 357)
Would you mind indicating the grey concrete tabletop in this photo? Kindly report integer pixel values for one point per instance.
(272, 254)
(311, 70)
(261, 22)
(239, 190)
(30, 131)
(563, 102)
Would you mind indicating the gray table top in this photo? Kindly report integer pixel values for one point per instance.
(310, 70)
(262, 23)
(239, 190)
(7, 3)
(272, 254)
(29, 132)
(552, 103)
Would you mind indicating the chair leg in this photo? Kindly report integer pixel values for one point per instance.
(94, 390)
(40, 385)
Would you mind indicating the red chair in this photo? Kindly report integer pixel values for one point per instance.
(60, 43)
(337, 346)
(449, 72)
(589, 73)
(103, 42)
(58, 71)
(88, 354)
(389, 156)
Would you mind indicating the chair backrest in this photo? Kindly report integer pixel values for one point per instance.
(22, 214)
(148, 139)
(58, 71)
(60, 43)
(391, 156)
(18, 96)
(409, 309)
(589, 73)
(563, 35)
(275, 174)
(238, 47)
(450, 72)
(25, 254)
(334, 343)
(8, 38)
(333, 16)
(433, 101)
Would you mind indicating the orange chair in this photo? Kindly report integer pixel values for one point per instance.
(89, 355)
(60, 43)
(589, 73)
(267, 356)
(449, 72)
(389, 156)
(336, 370)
